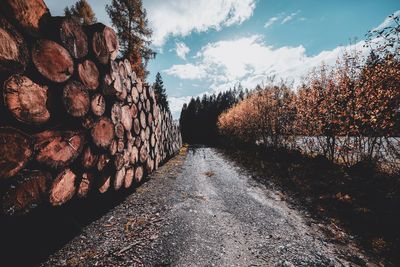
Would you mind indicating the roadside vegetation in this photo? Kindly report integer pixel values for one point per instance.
(333, 142)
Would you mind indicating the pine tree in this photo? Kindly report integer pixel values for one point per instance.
(129, 18)
(161, 94)
(82, 11)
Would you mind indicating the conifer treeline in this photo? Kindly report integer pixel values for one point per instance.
(198, 119)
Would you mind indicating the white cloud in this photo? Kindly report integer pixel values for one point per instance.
(182, 50)
(187, 71)
(222, 66)
(182, 17)
(290, 17)
(270, 22)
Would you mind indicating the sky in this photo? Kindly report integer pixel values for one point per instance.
(206, 46)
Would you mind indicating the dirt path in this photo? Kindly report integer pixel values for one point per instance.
(201, 210)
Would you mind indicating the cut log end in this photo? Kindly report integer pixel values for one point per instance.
(26, 100)
(76, 99)
(52, 61)
(88, 74)
(103, 132)
(15, 151)
(63, 188)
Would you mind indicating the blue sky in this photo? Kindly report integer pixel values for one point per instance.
(207, 46)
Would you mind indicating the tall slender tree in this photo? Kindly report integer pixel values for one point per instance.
(82, 11)
(129, 17)
(161, 94)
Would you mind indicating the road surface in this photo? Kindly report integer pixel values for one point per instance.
(200, 209)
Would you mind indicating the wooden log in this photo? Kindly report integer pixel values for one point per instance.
(14, 54)
(126, 117)
(135, 95)
(116, 113)
(149, 165)
(52, 61)
(134, 111)
(120, 145)
(15, 151)
(104, 43)
(28, 190)
(89, 158)
(119, 178)
(103, 132)
(104, 183)
(88, 122)
(98, 104)
(119, 130)
(69, 33)
(134, 156)
(102, 162)
(113, 147)
(143, 154)
(118, 161)
(136, 126)
(88, 74)
(76, 99)
(85, 185)
(143, 121)
(58, 149)
(129, 174)
(63, 188)
(139, 174)
(30, 15)
(26, 100)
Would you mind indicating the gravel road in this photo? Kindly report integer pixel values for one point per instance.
(200, 209)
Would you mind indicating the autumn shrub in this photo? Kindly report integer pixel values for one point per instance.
(349, 113)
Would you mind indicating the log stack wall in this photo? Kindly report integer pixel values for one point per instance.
(74, 119)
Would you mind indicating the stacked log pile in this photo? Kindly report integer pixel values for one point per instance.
(74, 120)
